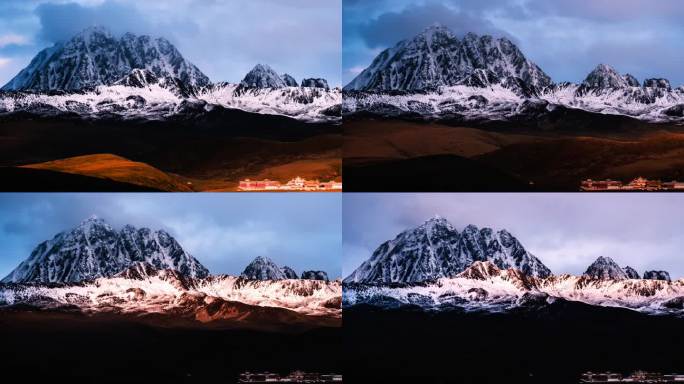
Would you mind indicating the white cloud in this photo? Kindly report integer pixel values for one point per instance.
(4, 61)
(13, 38)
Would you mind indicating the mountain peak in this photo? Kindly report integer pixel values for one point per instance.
(631, 272)
(263, 76)
(435, 249)
(93, 249)
(436, 57)
(263, 268)
(94, 57)
(289, 80)
(605, 268)
(93, 221)
(605, 76)
(436, 219)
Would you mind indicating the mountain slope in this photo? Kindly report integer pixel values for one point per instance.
(95, 57)
(94, 249)
(116, 168)
(436, 249)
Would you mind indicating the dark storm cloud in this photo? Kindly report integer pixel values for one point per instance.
(225, 231)
(224, 38)
(566, 38)
(566, 231)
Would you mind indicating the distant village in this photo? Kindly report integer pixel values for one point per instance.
(636, 377)
(296, 184)
(294, 377)
(638, 184)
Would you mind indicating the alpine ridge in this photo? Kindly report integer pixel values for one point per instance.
(94, 249)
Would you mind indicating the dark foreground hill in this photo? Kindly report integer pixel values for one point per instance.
(554, 344)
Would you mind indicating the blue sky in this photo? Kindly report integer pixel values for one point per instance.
(224, 231)
(567, 232)
(224, 38)
(566, 38)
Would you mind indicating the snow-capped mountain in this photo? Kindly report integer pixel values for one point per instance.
(263, 76)
(94, 249)
(289, 272)
(315, 83)
(435, 75)
(138, 77)
(435, 249)
(604, 76)
(95, 57)
(263, 268)
(143, 289)
(315, 275)
(605, 268)
(436, 57)
(484, 286)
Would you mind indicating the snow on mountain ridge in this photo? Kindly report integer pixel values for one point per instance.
(95, 74)
(484, 286)
(144, 289)
(436, 57)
